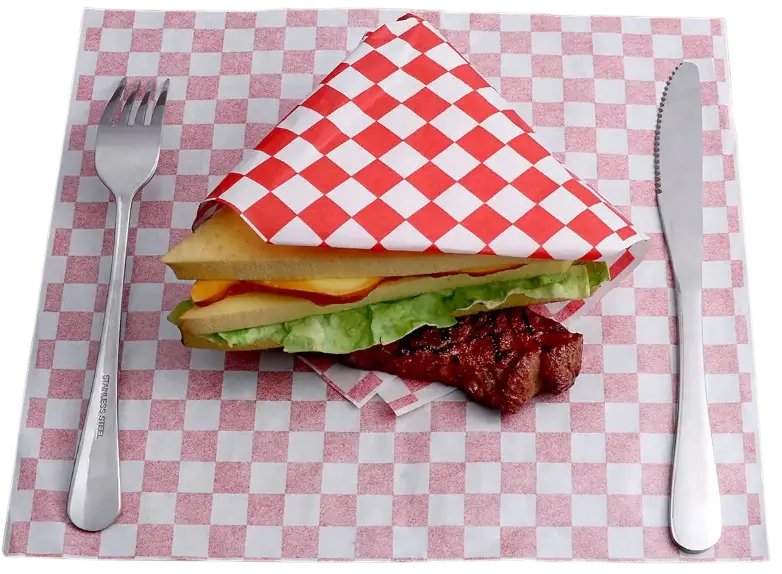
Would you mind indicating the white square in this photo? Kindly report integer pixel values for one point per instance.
(446, 509)
(302, 510)
(485, 42)
(170, 385)
(619, 301)
(607, 44)
(52, 475)
(612, 141)
(240, 385)
(308, 386)
(610, 91)
(481, 541)
(447, 447)
(119, 540)
(518, 509)
(239, 40)
(340, 478)
(650, 273)
(715, 220)
(403, 159)
(483, 477)
(641, 117)
(641, 167)
(202, 415)
(205, 64)
(719, 330)
(267, 62)
(589, 510)
(164, 445)
(547, 90)
(268, 477)
(667, 46)
(190, 540)
(728, 447)
(578, 66)
(723, 388)
(176, 40)
(402, 86)
(457, 202)
(623, 478)
(554, 478)
(263, 110)
(589, 388)
(620, 359)
(263, 542)
(656, 510)
(480, 418)
(622, 417)
(132, 415)
(145, 297)
(199, 111)
(229, 509)
(300, 38)
(518, 447)
(641, 69)
(234, 446)
(157, 508)
(374, 509)
(86, 242)
(327, 60)
(454, 123)
(580, 114)
(376, 447)
(136, 355)
(412, 478)
(342, 416)
(305, 447)
(584, 165)
(78, 297)
(336, 542)
(717, 274)
(625, 542)
(115, 40)
(350, 119)
(554, 542)
(552, 417)
(588, 447)
(234, 87)
(457, 163)
(296, 86)
(352, 158)
(196, 476)
(652, 330)
(143, 63)
(210, 20)
(632, 25)
(546, 42)
(516, 65)
(336, 18)
(655, 388)
(410, 542)
(656, 448)
(696, 26)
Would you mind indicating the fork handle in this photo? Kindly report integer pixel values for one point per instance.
(94, 501)
(696, 518)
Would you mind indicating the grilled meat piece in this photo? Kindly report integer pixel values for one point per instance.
(500, 359)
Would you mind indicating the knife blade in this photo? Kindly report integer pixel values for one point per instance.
(695, 511)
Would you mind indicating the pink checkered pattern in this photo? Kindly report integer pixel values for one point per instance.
(251, 455)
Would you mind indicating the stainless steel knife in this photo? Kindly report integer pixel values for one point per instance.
(695, 510)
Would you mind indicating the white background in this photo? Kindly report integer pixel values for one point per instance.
(38, 46)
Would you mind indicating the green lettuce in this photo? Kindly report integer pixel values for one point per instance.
(386, 322)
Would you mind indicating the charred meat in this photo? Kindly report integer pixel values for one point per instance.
(500, 359)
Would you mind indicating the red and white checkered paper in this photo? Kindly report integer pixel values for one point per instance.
(251, 455)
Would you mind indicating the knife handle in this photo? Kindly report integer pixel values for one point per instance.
(696, 515)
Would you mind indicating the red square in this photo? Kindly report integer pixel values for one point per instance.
(624, 510)
(78, 137)
(337, 510)
(242, 361)
(611, 116)
(421, 37)
(275, 386)
(651, 302)
(172, 355)
(174, 64)
(425, 104)
(53, 299)
(422, 68)
(304, 478)
(732, 478)
(482, 509)
(448, 416)
(411, 447)
(446, 477)
(609, 67)
(340, 447)
(516, 89)
(375, 416)
(28, 469)
(374, 542)
(131, 501)
(516, 42)
(721, 359)
(734, 542)
(378, 178)
(658, 543)
(204, 385)
(58, 444)
(640, 142)
(299, 541)
(82, 269)
(483, 182)
(77, 326)
(237, 415)
(446, 542)
(587, 417)
(553, 447)
(335, 38)
(308, 416)
(199, 446)
(266, 86)
(160, 476)
(266, 509)
(231, 112)
(592, 359)
(656, 478)
(146, 40)
(612, 166)
(639, 45)
(479, 143)
(538, 223)
(232, 477)
(518, 542)
(485, 223)
(518, 478)
(654, 359)
(432, 221)
(166, 415)
(202, 87)
(154, 539)
(193, 508)
(697, 46)
(580, 139)
(621, 387)
(375, 102)
(410, 510)
(623, 447)
(483, 447)
(226, 541)
(718, 302)
(546, 66)
(92, 38)
(377, 139)
(375, 478)
(325, 136)
(208, 40)
(268, 38)
(240, 19)
(553, 510)
(133, 444)
(270, 446)
(590, 542)
(619, 329)
(658, 418)
(111, 64)
(49, 506)
(725, 417)
(375, 67)
(67, 384)
(488, 65)
(589, 478)
(236, 63)
(270, 214)
(576, 43)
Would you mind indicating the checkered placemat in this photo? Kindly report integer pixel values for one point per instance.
(251, 455)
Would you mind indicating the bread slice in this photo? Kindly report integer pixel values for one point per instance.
(225, 247)
(258, 309)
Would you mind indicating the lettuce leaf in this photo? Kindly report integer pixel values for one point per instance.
(381, 323)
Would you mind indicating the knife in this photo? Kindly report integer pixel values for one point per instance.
(695, 512)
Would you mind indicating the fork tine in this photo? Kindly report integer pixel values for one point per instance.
(157, 114)
(128, 108)
(141, 114)
(108, 113)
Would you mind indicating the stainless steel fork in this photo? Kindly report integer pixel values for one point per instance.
(126, 157)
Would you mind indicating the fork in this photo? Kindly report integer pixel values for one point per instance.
(126, 157)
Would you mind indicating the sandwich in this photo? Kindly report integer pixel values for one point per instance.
(249, 294)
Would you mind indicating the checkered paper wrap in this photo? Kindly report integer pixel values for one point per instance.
(251, 455)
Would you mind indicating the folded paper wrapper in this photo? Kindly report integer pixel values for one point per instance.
(404, 146)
